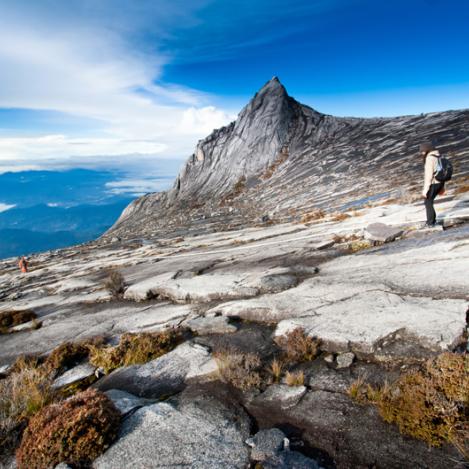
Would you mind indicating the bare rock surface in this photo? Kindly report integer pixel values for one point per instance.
(164, 376)
(75, 375)
(126, 402)
(382, 232)
(196, 431)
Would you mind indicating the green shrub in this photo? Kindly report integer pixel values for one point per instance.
(134, 349)
(75, 431)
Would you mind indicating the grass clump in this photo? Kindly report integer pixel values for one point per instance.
(22, 394)
(296, 378)
(134, 349)
(360, 245)
(15, 318)
(115, 284)
(75, 431)
(431, 403)
(318, 214)
(340, 216)
(276, 369)
(241, 370)
(298, 346)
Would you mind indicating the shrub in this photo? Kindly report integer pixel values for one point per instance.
(339, 216)
(298, 347)
(241, 370)
(357, 246)
(65, 356)
(14, 318)
(75, 431)
(295, 379)
(431, 404)
(22, 394)
(134, 349)
(115, 284)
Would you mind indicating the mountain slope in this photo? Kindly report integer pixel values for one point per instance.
(280, 156)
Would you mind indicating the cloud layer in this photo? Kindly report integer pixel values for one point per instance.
(91, 59)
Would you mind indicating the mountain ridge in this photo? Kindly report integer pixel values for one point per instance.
(280, 155)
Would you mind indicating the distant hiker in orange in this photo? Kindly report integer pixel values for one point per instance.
(23, 264)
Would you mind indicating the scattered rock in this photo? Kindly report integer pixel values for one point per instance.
(382, 232)
(345, 360)
(326, 244)
(289, 460)
(164, 376)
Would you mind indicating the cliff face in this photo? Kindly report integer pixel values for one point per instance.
(280, 155)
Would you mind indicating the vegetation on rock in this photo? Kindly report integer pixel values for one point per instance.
(241, 370)
(75, 431)
(14, 318)
(431, 403)
(296, 378)
(298, 346)
(115, 284)
(134, 349)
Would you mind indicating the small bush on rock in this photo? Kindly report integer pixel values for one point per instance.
(15, 318)
(134, 349)
(65, 356)
(75, 431)
(431, 404)
(295, 378)
(241, 370)
(298, 347)
(115, 284)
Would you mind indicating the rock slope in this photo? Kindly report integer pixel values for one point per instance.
(280, 156)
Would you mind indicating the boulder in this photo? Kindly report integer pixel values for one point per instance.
(266, 443)
(345, 360)
(164, 376)
(199, 432)
(382, 233)
(289, 460)
(282, 395)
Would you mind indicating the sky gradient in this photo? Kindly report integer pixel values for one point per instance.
(117, 84)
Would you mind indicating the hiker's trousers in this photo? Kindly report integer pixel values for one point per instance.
(431, 194)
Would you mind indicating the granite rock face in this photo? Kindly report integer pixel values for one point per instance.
(280, 155)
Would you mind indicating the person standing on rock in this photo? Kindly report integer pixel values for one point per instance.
(431, 187)
(23, 264)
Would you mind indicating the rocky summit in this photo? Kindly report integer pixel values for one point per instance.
(282, 306)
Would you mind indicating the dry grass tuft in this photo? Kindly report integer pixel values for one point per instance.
(22, 394)
(295, 378)
(15, 318)
(75, 431)
(315, 215)
(298, 347)
(282, 157)
(431, 404)
(276, 369)
(134, 349)
(339, 216)
(115, 284)
(241, 370)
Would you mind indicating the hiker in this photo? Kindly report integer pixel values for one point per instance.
(432, 187)
(23, 264)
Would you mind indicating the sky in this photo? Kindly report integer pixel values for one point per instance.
(122, 84)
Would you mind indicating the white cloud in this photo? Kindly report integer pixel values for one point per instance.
(5, 207)
(83, 67)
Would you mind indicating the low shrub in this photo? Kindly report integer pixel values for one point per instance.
(360, 245)
(298, 346)
(14, 318)
(115, 284)
(134, 349)
(431, 404)
(65, 356)
(75, 431)
(295, 378)
(339, 216)
(241, 370)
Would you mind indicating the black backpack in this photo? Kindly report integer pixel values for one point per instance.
(444, 169)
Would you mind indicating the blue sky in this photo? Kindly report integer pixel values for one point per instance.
(122, 83)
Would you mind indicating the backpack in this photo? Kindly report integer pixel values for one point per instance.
(444, 169)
